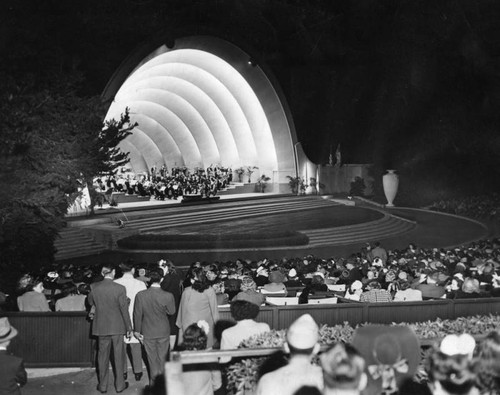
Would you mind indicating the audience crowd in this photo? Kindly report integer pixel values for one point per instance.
(187, 306)
(487, 206)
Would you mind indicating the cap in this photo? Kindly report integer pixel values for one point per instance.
(303, 333)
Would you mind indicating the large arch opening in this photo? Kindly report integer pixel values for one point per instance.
(204, 101)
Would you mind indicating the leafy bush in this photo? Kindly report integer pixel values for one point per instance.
(357, 187)
(157, 241)
(244, 374)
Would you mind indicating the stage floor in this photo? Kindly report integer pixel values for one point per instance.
(431, 230)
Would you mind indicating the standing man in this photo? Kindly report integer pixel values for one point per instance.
(111, 321)
(151, 310)
(132, 286)
(12, 373)
(379, 252)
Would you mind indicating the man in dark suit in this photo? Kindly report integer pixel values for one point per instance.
(12, 373)
(111, 321)
(151, 310)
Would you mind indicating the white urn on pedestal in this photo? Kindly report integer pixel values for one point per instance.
(390, 181)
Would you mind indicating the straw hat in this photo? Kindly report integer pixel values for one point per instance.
(7, 332)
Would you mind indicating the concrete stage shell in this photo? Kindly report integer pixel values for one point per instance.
(205, 101)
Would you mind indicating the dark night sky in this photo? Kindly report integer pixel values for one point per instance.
(409, 84)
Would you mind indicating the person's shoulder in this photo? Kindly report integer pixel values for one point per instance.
(138, 283)
(142, 293)
(118, 287)
(14, 359)
(269, 378)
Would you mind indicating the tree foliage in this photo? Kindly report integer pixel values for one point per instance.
(52, 140)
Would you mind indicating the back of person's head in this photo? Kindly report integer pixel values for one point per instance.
(195, 336)
(248, 284)
(373, 285)
(83, 289)
(126, 267)
(302, 336)
(155, 276)
(488, 354)
(276, 276)
(107, 270)
(471, 285)
(308, 390)
(317, 280)
(451, 366)
(243, 310)
(25, 283)
(69, 289)
(404, 285)
(199, 279)
(343, 368)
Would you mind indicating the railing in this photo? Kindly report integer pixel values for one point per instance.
(63, 338)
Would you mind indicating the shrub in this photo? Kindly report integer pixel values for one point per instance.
(158, 241)
(357, 187)
(244, 374)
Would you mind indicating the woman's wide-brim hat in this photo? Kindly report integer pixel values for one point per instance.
(391, 353)
(276, 277)
(7, 331)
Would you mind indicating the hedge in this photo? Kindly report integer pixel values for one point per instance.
(158, 241)
(243, 375)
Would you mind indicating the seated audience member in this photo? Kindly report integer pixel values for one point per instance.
(495, 285)
(261, 275)
(276, 283)
(343, 371)
(222, 296)
(302, 344)
(244, 313)
(293, 279)
(454, 286)
(232, 286)
(451, 368)
(355, 272)
(317, 285)
(370, 276)
(429, 287)
(71, 300)
(470, 289)
(12, 372)
(488, 354)
(406, 293)
(354, 291)
(391, 354)
(249, 292)
(33, 299)
(199, 379)
(375, 294)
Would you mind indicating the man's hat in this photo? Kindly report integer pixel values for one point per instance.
(303, 333)
(392, 355)
(7, 332)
